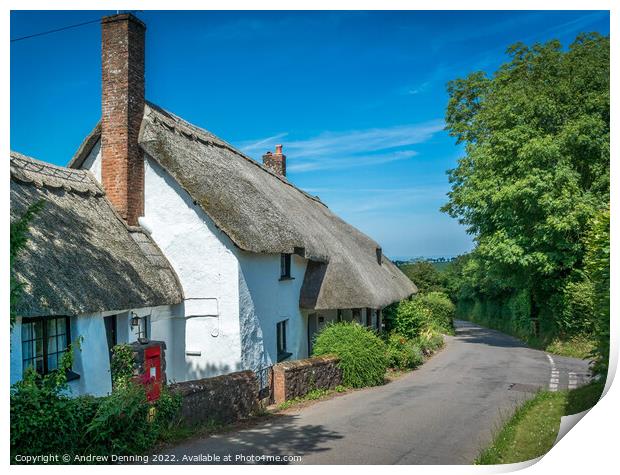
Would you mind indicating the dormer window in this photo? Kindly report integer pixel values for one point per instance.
(285, 266)
(379, 255)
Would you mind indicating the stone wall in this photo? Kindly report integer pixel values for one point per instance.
(223, 399)
(293, 379)
(138, 357)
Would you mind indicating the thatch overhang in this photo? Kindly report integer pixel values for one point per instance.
(262, 212)
(80, 257)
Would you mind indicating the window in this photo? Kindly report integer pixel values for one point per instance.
(281, 341)
(44, 341)
(140, 326)
(285, 266)
(339, 315)
(357, 315)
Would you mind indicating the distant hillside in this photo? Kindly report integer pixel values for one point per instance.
(438, 263)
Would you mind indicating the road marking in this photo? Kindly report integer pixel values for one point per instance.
(554, 380)
(572, 380)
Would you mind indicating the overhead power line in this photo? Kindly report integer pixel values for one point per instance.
(61, 29)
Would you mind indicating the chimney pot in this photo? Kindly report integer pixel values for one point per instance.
(276, 162)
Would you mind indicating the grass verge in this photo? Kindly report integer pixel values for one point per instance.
(313, 395)
(533, 428)
(579, 346)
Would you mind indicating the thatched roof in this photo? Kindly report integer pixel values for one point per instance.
(263, 212)
(80, 257)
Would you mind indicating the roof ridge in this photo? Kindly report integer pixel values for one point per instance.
(215, 140)
(44, 174)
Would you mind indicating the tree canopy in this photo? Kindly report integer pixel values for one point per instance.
(534, 175)
(424, 275)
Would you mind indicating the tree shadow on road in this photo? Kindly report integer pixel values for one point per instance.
(280, 435)
(474, 334)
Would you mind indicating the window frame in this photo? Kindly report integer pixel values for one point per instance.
(285, 266)
(141, 328)
(44, 339)
(281, 350)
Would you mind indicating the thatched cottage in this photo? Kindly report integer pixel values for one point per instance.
(230, 264)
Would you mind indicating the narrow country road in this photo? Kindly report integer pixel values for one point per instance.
(442, 413)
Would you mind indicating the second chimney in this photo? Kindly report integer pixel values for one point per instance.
(276, 162)
(122, 109)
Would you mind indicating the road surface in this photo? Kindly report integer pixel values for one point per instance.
(445, 412)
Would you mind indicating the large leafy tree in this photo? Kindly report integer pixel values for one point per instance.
(536, 167)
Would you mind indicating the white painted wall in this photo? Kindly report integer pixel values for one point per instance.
(208, 271)
(16, 352)
(93, 161)
(234, 299)
(266, 300)
(92, 361)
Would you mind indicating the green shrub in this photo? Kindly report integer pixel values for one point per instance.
(46, 419)
(441, 310)
(41, 410)
(403, 353)
(598, 272)
(167, 410)
(121, 424)
(409, 318)
(362, 353)
(122, 365)
(39, 416)
(126, 423)
(576, 308)
(429, 341)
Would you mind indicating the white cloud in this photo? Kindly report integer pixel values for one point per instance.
(349, 162)
(419, 88)
(259, 145)
(355, 148)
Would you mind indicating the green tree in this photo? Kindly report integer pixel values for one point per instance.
(424, 275)
(535, 171)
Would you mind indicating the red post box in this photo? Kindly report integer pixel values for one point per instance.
(152, 372)
(150, 366)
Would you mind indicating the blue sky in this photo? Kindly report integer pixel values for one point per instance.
(356, 98)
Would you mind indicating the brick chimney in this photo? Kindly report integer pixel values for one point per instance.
(276, 162)
(122, 108)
